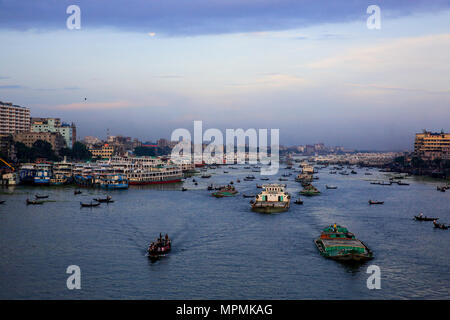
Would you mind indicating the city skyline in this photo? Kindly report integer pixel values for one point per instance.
(317, 76)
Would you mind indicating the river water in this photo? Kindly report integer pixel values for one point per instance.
(221, 249)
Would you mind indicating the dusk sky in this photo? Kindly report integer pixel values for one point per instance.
(310, 68)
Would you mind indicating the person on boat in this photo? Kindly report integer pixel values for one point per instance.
(421, 214)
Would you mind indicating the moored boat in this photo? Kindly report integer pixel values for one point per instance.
(421, 217)
(375, 202)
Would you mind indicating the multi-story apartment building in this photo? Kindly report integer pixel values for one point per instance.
(104, 151)
(431, 145)
(29, 138)
(68, 131)
(13, 118)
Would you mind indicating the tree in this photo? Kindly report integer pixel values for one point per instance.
(24, 153)
(80, 152)
(43, 149)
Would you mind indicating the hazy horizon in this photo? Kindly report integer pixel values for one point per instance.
(316, 72)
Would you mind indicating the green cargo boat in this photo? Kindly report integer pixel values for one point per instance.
(309, 191)
(228, 191)
(337, 243)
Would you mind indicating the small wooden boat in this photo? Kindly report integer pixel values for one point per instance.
(183, 189)
(424, 218)
(2, 201)
(107, 199)
(77, 192)
(210, 187)
(40, 197)
(159, 247)
(400, 183)
(34, 202)
(259, 186)
(375, 202)
(440, 225)
(90, 205)
(330, 187)
(298, 201)
(264, 179)
(206, 176)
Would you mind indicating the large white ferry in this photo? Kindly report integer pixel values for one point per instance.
(145, 170)
(272, 199)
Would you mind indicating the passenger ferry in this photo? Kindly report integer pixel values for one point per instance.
(43, 174)
(272, 199)
(27, 173)
(115, 181)
(62, 173)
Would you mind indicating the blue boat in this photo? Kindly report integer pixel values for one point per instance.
(114, 181)
(27, 173)
(42, 177)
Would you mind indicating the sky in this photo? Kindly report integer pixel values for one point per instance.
(312, 69)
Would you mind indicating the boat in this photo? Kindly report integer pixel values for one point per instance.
(159, 247)
(77, 192)
(43, 174)
(424, 218)
(108, 199)
(90, 205)
(309, 191)
(2, 201)
(228, 191)
(264, 179)
(34, 202)
(304, 177)
(337, 243)
(353, 172)
(330, 187)
(400, 183)
(298, 201)
(206, 176)
(272, 199)
(375, 202)
(250, 177)
(238, 181)
(62, 173)
(440, 225)
(283, 179)
(249, 195)
(40, 197)
(114, 181)
(184, 189)
(332, 172)
(210, 187)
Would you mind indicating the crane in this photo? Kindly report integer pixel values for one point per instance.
(12, 168)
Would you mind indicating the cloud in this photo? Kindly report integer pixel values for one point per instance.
(93, 105)
(195, 17)
(12, 86)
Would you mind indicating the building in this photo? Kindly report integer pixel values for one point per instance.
(13, 118)
(29, 138)
(432, 145)
(88, 140)
(68, 131)
(104, 151)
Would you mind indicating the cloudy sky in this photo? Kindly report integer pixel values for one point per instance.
(310, 68)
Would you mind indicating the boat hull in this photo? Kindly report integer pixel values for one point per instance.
(270, 209)
(139, 183)
(344, 257)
